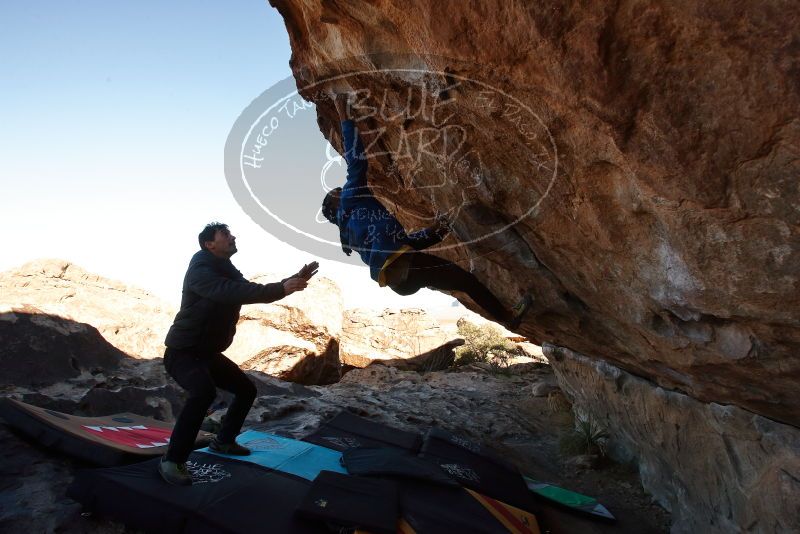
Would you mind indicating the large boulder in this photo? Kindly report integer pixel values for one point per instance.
(129, 318)
(633, 165)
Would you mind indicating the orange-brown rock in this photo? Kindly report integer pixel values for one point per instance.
(633, 164)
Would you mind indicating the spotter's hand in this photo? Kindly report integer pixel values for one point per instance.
(293, 284)
(308, 270)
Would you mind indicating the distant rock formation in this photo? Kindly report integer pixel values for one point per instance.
(295, 338)
(129, 318)
(395, 337)
(306, 338)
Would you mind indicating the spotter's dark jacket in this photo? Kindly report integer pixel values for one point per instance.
(213, 294)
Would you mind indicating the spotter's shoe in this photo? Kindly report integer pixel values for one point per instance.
(519, 312)
(231, 448)
(175, 473)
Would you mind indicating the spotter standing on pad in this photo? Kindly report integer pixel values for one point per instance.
(396, 258)
(213, 293)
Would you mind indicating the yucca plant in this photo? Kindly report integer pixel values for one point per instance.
(586, 438)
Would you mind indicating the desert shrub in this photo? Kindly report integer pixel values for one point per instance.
(587, 437)
(484, 343)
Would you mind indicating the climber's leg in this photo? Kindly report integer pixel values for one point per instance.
(427, 270)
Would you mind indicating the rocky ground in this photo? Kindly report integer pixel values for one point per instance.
(66, 347)
(497, 409)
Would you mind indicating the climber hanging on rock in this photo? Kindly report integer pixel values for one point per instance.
(396, 258)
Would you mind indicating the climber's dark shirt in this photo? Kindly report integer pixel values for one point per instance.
(364, 224)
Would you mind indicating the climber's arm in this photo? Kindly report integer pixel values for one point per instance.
(429, 236)
(354, 155)
(353, 147)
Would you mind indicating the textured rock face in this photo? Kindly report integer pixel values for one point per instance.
(129, 318)
(716, 468)
(646, 152)
(295, 338)
(408, 338)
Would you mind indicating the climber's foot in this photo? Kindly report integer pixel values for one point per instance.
(231, 448)
(174, 473)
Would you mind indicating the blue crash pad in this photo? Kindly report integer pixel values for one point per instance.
(287, 455)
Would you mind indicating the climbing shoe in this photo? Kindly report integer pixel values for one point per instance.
(231, 448)
(175, 473)
(519, 312)
(210, 425)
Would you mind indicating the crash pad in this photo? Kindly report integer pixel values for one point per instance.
(346, 430)
(108, 440)
(292, 456)
(227, 496)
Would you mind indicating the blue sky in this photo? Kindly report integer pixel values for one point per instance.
(113, 120)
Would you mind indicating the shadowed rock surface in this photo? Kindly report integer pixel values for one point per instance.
(129, 318)
(39, 349)
(748, 465)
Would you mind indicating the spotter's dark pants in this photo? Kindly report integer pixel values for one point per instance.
(427, 270)
(200, 374)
